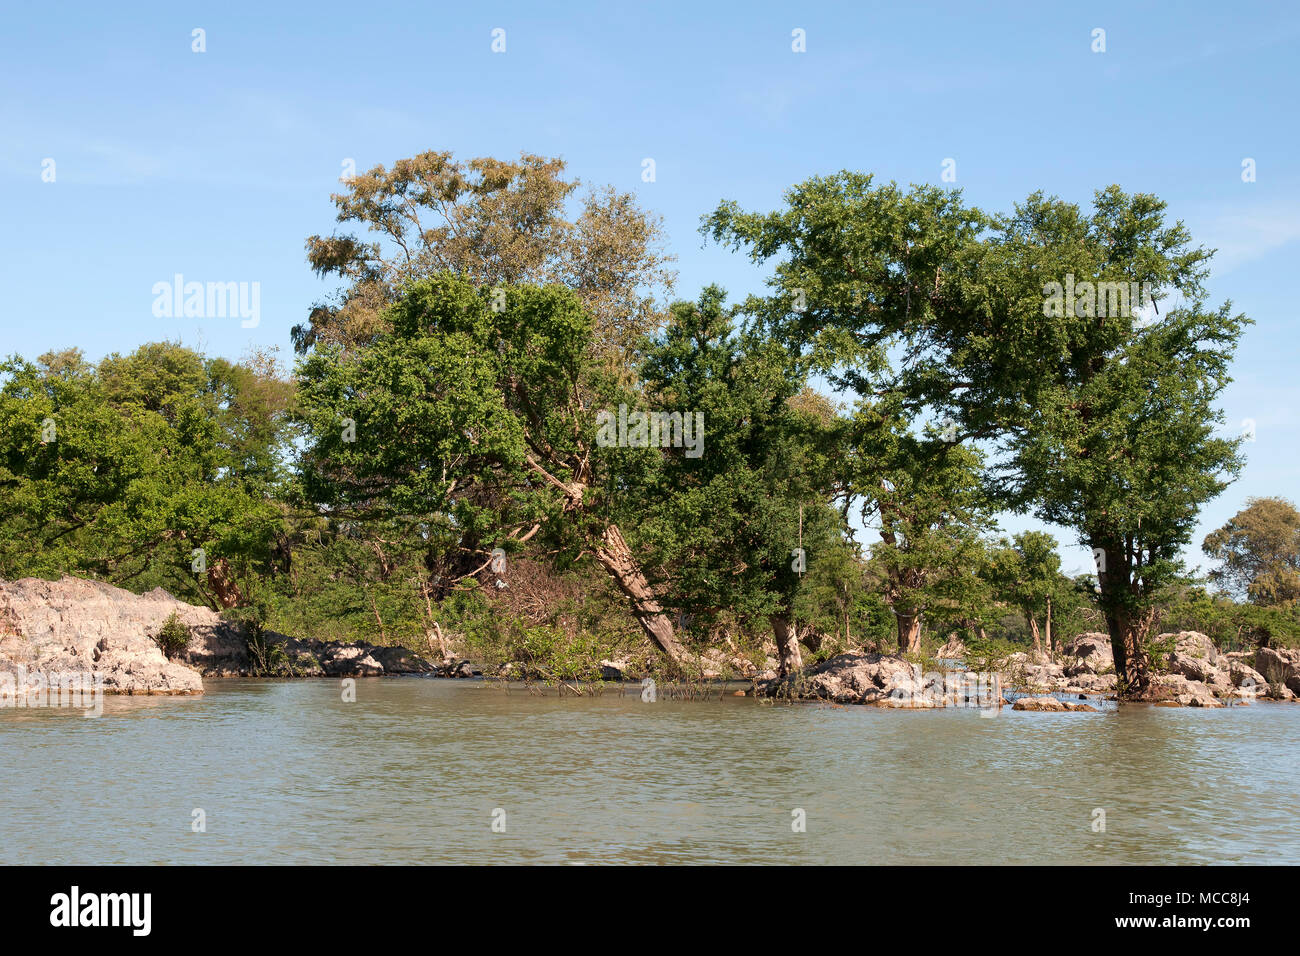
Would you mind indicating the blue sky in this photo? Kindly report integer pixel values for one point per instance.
(218, 165)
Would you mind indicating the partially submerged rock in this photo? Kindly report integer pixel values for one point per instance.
(1176, 689)
(883, 680)
(1052, 704)
(850, 679)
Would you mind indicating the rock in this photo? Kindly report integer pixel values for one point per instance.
(1199, 669)
(1176, 689)
(92, 623)
(1193, 644)
(75, 626)
(1245, 677)
(1052, 704)
(954, 650)
(1280, 667)
(461, 669)
(852, 679)
(614, 670)
(1093, 684)
(1089, 654)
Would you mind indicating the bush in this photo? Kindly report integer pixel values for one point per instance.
(174, 636)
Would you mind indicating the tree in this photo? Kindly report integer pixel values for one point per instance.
(927, 502)
(1027, 574)
(472, 426)
(1259, 548)
(737, 527)
(153, 469)
(1107, 424)
(1098, 421)
(495, 223)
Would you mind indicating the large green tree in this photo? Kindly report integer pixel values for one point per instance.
(1099, 420)
(473, 425)
(124, 471)
(495, 222)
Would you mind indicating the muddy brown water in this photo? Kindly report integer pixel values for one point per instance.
(418, 770)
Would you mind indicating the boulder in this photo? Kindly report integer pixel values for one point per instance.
(75, 626)
(1089, 654)
(954, 650)
(1194, 644)
(853, 679)
(1280, 667)
(1176, 689)
(1247, 678)
(1053, 705)
(1200, 669)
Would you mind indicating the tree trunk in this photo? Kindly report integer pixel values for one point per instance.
(1132, 665)
(909, 633)
(787, 646)
(1033, 629)
(617, 558)
(1047, 628)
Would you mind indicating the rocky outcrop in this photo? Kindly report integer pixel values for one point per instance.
(882, 680)
(1280, 666)
(87, 626)
(1177, 690)
(1053, 705)
(1089, 653)
(74, 626)
(219, 648)
(850, 679)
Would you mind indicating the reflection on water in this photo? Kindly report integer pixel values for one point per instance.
(412, 772)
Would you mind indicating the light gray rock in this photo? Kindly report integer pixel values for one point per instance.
(77, 626)
(1178, 690)
(1280, 666)
(1089, 653)
(1053, 705)
(854, 679)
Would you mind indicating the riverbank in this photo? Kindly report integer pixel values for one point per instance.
(80, 626)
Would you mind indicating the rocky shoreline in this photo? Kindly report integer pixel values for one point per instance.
(78, 626)
(1194, 674)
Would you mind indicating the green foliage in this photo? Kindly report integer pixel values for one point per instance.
(120, 472)
(1259, 548)
(173, 637)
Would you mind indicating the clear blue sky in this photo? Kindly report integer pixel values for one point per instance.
(218, 165)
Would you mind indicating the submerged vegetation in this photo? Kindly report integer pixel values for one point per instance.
(440, 470)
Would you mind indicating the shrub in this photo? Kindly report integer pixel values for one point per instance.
(173, 637)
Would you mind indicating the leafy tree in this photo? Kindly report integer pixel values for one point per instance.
(1027, 574)
(1099, 422)
(736, 528)
(123, 471)
(471, 426)
(495, 223)
(1259, 548)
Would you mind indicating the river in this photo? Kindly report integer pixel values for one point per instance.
(420, 770)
